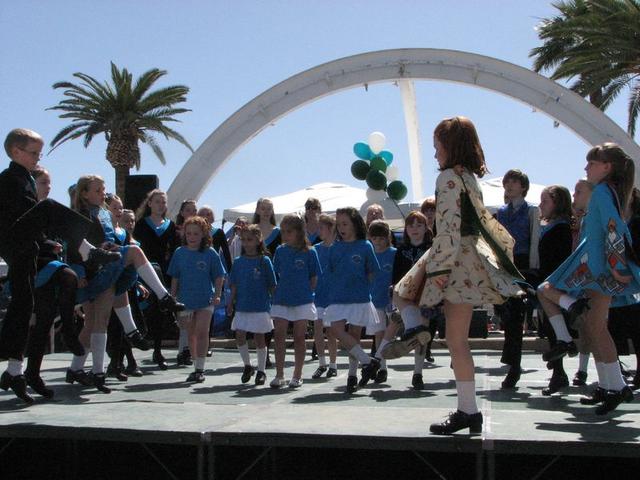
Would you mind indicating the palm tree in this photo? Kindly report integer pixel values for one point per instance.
(126, 112)
(598, 43)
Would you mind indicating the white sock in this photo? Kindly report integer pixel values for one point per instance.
(467, 397)
(334, 366)
(418, 360)
(84, 249)
(560, 327)
(359, 354)
(126, 318)
(77, 362)
(244, 353)
(148, 274)
(353, 367)
(583, 362)
(199, 363)
(383, 364)
(411, 317)
(602, 376)
(14, 367)
(322, 359)
(566, 301)
(98, 347)
(183, 340)
(383, 343)
(614, 376)
(262, 358)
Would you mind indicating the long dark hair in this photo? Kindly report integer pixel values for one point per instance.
(622, 173)
(256, 216)
(561, 202)
(356, 220)
(460, 141)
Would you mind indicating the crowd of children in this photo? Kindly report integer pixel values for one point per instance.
(121, 279)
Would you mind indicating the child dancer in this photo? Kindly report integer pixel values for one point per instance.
(380, 236)
(297, 268)
(195, 269)
(312, 212)
(327, 233)
(600, 269)
(460, 268)
(352, 264)
(252, 282)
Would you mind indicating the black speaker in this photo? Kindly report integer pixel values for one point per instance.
(136, 188)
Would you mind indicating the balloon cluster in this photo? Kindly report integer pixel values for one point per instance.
(375, 167)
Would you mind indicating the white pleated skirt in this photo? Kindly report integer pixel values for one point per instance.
(359, 314)
(299, 312)
(254, 322)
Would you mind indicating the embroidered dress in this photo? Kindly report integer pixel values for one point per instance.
(478, 258)
(601, 249)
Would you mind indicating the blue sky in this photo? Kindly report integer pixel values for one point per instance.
(228, 52)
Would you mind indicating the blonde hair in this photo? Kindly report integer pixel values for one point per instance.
(297, 224)
(82, 186)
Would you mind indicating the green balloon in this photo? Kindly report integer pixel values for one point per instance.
(378, 163)
(397, 190)
(360, 169)
(376, 180)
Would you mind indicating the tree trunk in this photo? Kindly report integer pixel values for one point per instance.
(122, 172)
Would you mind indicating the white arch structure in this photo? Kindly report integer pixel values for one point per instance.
(514, 81)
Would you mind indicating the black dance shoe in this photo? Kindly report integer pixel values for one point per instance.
(170, 304)
(210, 353)
(413, 338)
(319, 371)
(332, 372)
(614, 398)
(98, 380)
(559, 350)
(117, 373)
(458, 421)
(595, 398)
(18, 384)
(579, 379)
(368, 371)
(136, 340)
(37, 385)
(576, 309)
(159, 359)
(261, 377)
(184, 358)
(513, 375)
(73, 344)
(196, 377)
(635, 382)
(429, 356)
(133, 371)
(247, 373)
(417, 382)
(100, 256)
(79, 376)
(556, 383)
(381, 376)
(352, 384)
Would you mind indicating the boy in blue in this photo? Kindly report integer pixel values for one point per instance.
(352, 264)
(252, 283)
(297, 266)
(195, 269)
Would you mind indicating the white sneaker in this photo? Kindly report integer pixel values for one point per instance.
(277, 382)
(295, 382)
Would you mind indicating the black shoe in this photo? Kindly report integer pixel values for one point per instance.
(332, 372)
(135, 339)
(159, 359)
(79, 376)
(261, 377)
(513, 375)
(170, 304)
(458, 421)
(73, 344)
(559, 350)
(269, 363)
(209, 353)
(184, 358)
(37, 385)
(247, 373)
(381, 376)
(614, 398)
(578, 307)
(635, 382)
(133, 371)
(417, 382)
(18, 384)
(98, 380)
(595, 398)
(100, 256)
(319, 371)
(556, 383)
(352, 384)
(580, 379)
(117, 373)
(368, 371)
(196, 376)
(429, 357)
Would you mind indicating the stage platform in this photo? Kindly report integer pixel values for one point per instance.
(157, 426)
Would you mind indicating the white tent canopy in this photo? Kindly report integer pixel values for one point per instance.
(331, 195)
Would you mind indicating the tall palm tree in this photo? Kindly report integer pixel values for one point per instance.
(598, 43)
(124, 111)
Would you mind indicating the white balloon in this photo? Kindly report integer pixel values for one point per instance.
(376, 196)
(392, 173)
(377, 141)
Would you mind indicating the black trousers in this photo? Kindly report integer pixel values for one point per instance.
(20, 250)
(159, 324)
(512, 313)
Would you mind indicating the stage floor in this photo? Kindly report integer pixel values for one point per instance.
(161, 407)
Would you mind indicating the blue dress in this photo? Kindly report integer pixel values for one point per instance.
(601, 250)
